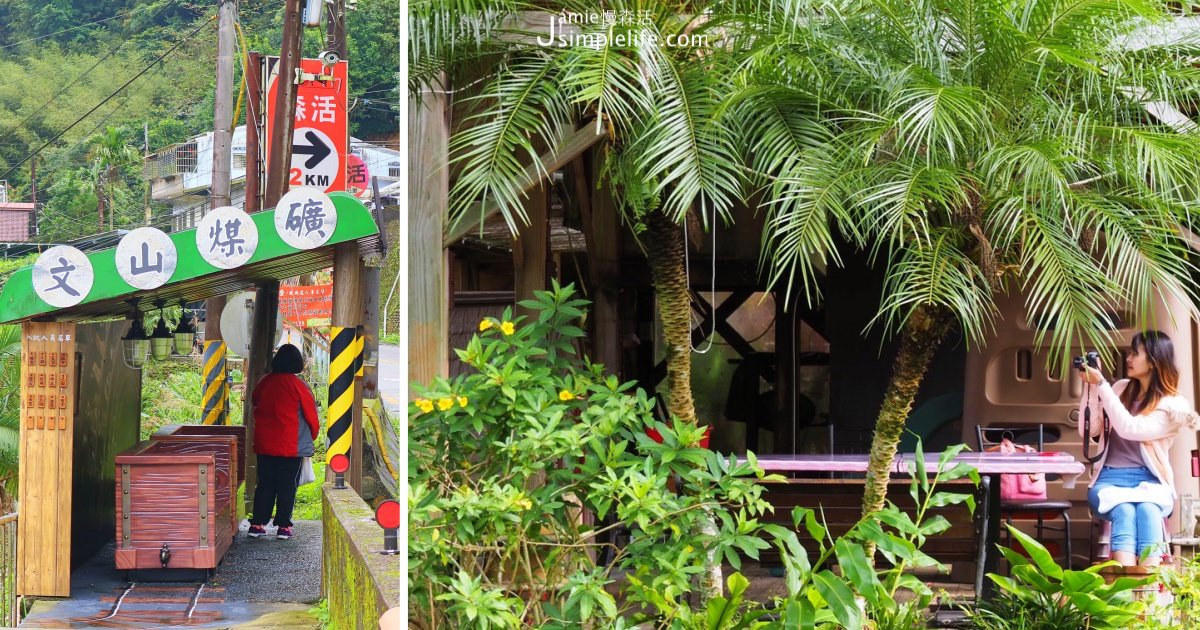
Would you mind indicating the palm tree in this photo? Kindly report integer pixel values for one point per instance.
(678, 126)
(986, 147)
(110, 151)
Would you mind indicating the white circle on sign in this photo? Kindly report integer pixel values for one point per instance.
(62, 276)
(315, 159)
(146, 258)
(305, 218)
(226, 237)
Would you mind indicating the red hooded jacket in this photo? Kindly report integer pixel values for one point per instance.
(285, 416)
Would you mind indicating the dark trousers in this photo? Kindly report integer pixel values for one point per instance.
(277, 481)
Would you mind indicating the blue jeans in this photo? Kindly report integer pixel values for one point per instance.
(1140, 523)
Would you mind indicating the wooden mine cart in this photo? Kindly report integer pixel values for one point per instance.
(235, 430)
(175, 502)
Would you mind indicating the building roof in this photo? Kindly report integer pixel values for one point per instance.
(194, 277)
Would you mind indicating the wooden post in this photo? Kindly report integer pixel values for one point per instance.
(428, 199)
(280, 159)
(45, 458)
(532, 247)
(347, 308)
(601, 231)
(787, 374)
(262, 342)
(255, 116)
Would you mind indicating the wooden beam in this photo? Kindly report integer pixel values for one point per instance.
(428, 293)
(601, 232)
(549, 162)
(532, 248)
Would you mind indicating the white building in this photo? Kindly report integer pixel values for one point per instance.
(182, 174)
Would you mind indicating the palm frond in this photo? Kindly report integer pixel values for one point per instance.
(526, 109)
(936, 272)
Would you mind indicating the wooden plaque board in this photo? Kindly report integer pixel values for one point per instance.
(48, 385)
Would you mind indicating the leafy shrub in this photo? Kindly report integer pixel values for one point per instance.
(503, 461)
(1041, 595)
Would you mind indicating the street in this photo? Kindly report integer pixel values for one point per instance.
(389, 378)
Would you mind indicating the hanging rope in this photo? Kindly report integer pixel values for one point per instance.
(712, 293)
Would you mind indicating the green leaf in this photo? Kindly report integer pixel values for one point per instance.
(840, 599)
(1040, 556)
(853, 560)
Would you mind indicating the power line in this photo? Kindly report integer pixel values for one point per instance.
(68, 30)
(83, 74)
(108, 98)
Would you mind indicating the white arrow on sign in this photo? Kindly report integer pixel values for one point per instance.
(314, 161)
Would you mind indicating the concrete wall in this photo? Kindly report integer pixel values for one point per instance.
(107, 421)
(359, 582)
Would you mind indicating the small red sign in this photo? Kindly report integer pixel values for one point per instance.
(388, 514)
(358, 178)
(306, 305)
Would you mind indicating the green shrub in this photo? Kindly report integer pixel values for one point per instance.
(1041, 595)
(503, 459)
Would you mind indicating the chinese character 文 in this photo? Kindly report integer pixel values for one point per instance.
(60, 282)
(230, 239)
(307, 217)
(146, 266)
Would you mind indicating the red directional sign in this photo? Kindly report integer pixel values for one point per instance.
(319, 138)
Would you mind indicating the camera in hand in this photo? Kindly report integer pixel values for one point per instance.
(1091, 359)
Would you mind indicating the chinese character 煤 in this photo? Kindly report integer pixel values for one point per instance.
(65, 268)
(230, 234)
(146, 266)
(311, 218)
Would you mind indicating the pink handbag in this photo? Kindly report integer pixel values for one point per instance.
(1020, 487)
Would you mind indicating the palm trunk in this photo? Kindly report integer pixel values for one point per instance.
(920, 338)
(665, 253)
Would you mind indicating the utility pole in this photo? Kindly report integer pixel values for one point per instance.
(33, 193)
(347, 269)
(280, 146)
(215, 350)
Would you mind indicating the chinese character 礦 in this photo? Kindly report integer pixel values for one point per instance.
(230, 234)
(60, 282)
(311, 218)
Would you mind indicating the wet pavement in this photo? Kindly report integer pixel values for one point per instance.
(262, 583)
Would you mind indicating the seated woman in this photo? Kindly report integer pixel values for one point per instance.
(1132, 483)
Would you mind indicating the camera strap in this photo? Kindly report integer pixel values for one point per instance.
(1087, 429)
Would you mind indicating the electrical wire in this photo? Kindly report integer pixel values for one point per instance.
(109, 97)
(68, 30)
(81, 75)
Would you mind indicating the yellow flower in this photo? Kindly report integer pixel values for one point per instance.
(566, 395)
(523, 503)
(507, 328)
(436, 535)
(445, 403)
(485, 324)
(462, 401)
(424, 405)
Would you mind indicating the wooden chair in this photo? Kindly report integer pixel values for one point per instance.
(1026, 509)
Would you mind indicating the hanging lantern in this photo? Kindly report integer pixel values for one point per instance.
(185, 334)
(135, 343)
(162, 341)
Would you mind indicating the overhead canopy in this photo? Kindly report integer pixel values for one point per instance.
(194, 278)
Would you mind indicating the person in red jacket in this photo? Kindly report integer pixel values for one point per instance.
(285, 431)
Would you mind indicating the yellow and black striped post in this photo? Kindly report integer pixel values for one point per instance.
(342, 365)
(216, 384)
